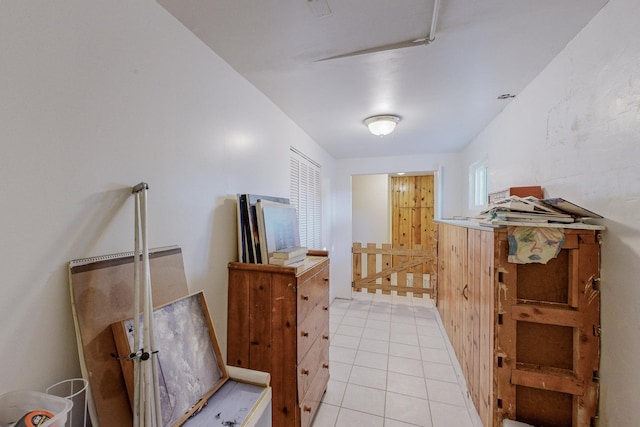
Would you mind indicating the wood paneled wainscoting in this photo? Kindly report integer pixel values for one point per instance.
(389, 268)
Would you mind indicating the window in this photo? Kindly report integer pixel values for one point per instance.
(304, 194)
(478, 179)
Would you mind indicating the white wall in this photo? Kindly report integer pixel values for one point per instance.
(370, 209)
(448, 166)
(96, 97)
(575, 130)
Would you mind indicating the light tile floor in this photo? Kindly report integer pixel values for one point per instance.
(392, 365)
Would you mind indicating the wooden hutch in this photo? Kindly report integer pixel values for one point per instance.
(527, 335)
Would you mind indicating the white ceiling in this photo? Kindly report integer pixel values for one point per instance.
(445, 91)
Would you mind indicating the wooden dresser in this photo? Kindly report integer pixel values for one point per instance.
(278, 322)
(527, 336)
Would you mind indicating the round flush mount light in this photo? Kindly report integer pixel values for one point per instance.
(381, 125)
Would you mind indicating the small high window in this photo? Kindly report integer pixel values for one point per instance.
(478, 183)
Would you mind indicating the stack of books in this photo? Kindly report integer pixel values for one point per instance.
(291, 256)
(534, 211)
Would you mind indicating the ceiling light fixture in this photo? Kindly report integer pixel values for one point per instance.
(381, 125)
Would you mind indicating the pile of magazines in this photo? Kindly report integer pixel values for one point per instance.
(534, 211)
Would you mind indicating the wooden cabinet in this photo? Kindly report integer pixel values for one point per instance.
(278, 322)
(466, 306)
(527, 336)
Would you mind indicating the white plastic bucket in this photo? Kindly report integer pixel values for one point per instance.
(16, 404)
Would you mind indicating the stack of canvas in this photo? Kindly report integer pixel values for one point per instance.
(268, 231)
(249, 242)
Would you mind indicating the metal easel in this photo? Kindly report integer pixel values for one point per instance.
(146, 410)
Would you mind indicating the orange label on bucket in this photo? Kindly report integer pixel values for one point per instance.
(34, 419)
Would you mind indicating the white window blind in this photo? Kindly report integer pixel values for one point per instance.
(304, 194)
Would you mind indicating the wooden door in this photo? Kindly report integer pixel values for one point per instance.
(412, 211)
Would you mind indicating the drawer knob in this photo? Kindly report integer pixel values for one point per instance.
(305, 297)
(304, 372)
(304, 334)
(306, 408)
(325, 337)
(325, 366)
(325, 308)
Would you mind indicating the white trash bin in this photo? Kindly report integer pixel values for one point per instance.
(16, 404)
(74, 389)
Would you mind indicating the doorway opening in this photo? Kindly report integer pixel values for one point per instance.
(394, 235)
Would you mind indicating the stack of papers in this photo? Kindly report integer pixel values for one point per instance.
(534, 211)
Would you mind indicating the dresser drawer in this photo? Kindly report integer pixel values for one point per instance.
(311, 292)
(309, 330)
(316, 360)
(311, 401)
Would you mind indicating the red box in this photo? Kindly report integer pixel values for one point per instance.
(534, 190)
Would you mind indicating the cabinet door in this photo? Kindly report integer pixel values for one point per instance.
(466, 305)
(444, 292)
(487, 319)
(452, 259)
(471, 300)
(459, 281)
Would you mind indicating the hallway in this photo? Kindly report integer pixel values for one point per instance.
(392, 366)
